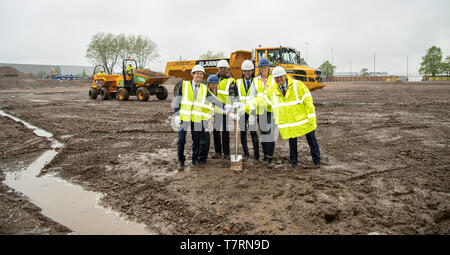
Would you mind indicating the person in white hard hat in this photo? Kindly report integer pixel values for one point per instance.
(246, 89)
(294, 111)
(192, 110)
(226, 90)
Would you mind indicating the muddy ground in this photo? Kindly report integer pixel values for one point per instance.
(385, 149)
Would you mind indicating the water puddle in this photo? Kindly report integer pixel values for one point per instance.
(64, 202)
(40, 101)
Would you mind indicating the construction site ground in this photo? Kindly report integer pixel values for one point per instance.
(384, 147)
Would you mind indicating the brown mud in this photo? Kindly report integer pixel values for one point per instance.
(385, 151)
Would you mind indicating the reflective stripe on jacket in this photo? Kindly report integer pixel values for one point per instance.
(212, 108)
(294, 113)
(194, 110)
(223, 90)
(244, 96)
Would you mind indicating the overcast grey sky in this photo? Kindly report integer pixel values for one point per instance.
(58, 32)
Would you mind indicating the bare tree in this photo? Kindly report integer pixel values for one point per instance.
(104, 49)
(211, 55)
(143, 50)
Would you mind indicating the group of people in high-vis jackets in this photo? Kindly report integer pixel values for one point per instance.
(271, 101)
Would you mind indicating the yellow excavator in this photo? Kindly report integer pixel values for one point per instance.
(286, 57)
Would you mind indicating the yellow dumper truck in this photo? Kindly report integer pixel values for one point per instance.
(287, 57)
(133, 82)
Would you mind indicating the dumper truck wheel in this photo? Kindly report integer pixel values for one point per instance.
(123, 94)
(93, 93)
(104, 93)
(142, 94)
(163, 94)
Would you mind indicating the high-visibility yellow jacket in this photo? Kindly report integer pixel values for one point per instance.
(212, 108)
(260, 102)
(223, 90)
(294, 113)
(129, 70)
(244, 96)
(191, 109)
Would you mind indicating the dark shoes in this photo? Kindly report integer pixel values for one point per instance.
(294, 165)
(270, 161)
(246, 156)
(317, 164)
(203, 161)
(180, 166)
(256, 158)
(196, 163)
(227, 157)
(216, 155)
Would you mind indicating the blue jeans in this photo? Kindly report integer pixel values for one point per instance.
(313, 148)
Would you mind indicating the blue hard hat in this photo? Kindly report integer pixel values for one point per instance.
(263, 62)
(213, 79)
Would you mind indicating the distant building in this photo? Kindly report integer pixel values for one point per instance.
(347, 74)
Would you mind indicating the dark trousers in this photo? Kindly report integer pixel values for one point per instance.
(313, 148)
(200, 141)
(267, 130)
(243, 125)
(221, 134)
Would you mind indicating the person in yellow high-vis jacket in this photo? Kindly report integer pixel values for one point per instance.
(246, 89)
(264, 111)
(192, 111)
(226, 90)
(294, 112)
(130, 70)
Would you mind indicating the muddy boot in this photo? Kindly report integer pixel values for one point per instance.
(216, 155)
(180, 166)
(270, 160)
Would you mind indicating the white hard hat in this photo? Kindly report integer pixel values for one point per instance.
(278, 71)
(247, 65)
(198, 68)
(223, 63)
